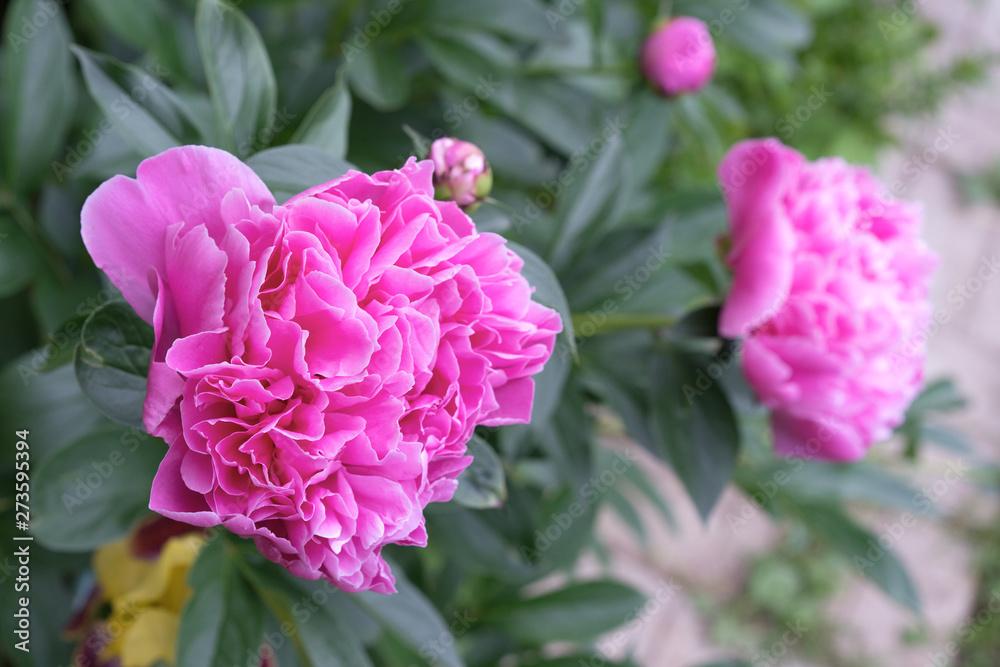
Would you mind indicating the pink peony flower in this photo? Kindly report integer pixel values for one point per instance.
(319, 365)
(461, 173)
(679, 57)
(830, 283)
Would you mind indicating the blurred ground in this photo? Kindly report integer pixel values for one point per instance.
(714, 558)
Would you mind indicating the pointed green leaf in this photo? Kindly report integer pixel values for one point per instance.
(92, 491)
(239, 73)
(868, 556)
(223, 621)
(694, 425)
(143, 111)
(578, 612)
(482, 484)
(411, 617)
(548, 290)
(327, 123)
(39, 89)
(309, 610)
(112, 361)
(379, 76)
(292, 168)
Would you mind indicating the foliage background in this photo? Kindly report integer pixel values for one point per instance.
(548, 90)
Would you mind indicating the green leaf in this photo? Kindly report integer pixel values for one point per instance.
(694, 425)
(379, 76)
(869, 557)
(627, 512)
(288, 170)
(92, 491)
(320, 637)
(411, 617)
(240, 77)
(460, 63)
(327, 123)
(49, 404)
(482, 484)
(548, 291)
(939, 396)
(19, 258)
(112, 361)
(151, 26)
(139, 25)
(470, 539)
(39, 89)
(149, 126)
(647, 137)
(945, 437)
(638, 477)
(589, 202)
(699, 323)
(519, 19)
(578, 612)
(809, 481)
(223, 621)
(557, 114)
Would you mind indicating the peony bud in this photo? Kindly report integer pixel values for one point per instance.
(461, 173)
(679, 57)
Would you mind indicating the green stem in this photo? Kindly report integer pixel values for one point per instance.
(570, 70)
(614, 323)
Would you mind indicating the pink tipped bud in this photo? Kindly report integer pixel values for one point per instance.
(461, 173)
(679, 57)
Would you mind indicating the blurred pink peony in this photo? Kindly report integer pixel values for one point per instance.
(679, 57)
(829, 288)
(319, 365)
(461, 173)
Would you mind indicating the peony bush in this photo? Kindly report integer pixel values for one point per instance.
(331, 329)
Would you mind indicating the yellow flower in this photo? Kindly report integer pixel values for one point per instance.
(146, 598)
